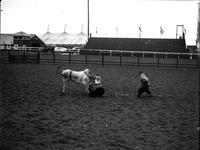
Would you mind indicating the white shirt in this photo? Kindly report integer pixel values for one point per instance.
(143, 77)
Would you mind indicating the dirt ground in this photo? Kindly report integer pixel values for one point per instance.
(35, 116)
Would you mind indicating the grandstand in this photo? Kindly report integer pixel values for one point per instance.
(137, 44)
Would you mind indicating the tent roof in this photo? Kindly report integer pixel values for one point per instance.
(64, 38)
(21, 33)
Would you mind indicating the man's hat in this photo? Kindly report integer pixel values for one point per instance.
(140, 72)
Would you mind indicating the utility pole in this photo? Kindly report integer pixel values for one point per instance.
(198, 29)
(88, 17)
(0, 20)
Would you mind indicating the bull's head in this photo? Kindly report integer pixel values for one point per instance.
(87, 72)
(93, 78)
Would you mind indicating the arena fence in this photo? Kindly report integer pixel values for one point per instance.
(102, 57)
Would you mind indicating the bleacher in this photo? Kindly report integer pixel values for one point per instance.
(137, 44)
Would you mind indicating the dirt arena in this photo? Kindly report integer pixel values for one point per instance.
(35, 116)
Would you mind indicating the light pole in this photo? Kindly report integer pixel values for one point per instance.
(88, 17)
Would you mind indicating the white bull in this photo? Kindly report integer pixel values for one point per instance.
(83, 78)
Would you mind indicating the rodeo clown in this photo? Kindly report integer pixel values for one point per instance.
(144, 85)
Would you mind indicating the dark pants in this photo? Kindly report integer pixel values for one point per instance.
(142, 89)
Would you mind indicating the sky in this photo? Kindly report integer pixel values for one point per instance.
(109, 18)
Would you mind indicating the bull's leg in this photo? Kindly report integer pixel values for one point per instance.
(87, 89)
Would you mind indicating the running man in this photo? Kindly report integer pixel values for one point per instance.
(144, 85)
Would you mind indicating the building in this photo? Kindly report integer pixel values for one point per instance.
(137, 44)
(21, 39)
(29, 40)
(6, 39)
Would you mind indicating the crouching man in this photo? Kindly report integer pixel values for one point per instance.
(144, 85)
(95, 88)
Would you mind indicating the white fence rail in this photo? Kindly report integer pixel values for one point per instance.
(15, 47)
(103, 57)
(111, 52)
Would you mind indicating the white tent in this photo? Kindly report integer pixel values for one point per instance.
(64, 38)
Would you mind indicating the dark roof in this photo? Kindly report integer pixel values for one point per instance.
(137, 44)
(21, 33)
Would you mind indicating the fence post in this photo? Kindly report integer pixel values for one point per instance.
(69, 58)
(86, 59)
(102, 60)
(177, 58)
(54, 57)
(24, 56)
(38, 56)
(138, 60)
(9, 59)
(120, 61)
(158, 61)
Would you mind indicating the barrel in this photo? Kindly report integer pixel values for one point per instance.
(96, 90)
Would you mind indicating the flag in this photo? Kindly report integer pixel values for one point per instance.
(161, 30)
(140, 28)
(96, 30)
(116, 29)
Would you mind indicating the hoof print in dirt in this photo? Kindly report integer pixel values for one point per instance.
(96, 91)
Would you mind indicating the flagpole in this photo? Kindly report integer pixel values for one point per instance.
(140, 33)
(48, 28)
(65, 28)
(117, 31)
(96, 31)
(82, 28)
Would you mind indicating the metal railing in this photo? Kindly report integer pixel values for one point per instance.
(13, 47)
(104, 57)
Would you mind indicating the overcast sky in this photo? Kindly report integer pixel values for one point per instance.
(117, 18)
